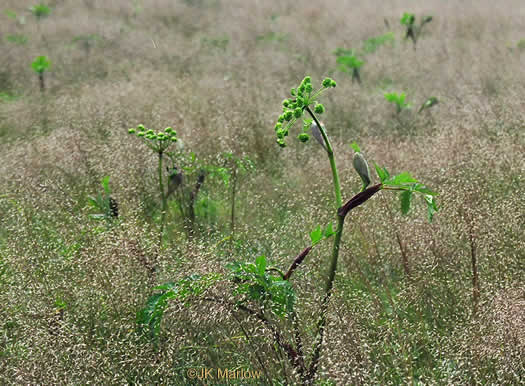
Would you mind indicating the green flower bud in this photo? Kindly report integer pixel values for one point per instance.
(319, 108)
(327, 82)
(280, 134)
(298, 112)
(278, 126)
(293, 92)
(131, 131)
(149, 132)
(173, 139)
(281, 143)
(333, 84)
(141, 127)
(308, 88)
(140, 134)
(168, 130)
(299, 102)
(303, 137)
(281, 118)
(288, 116)
(306, 80)
(286, 102)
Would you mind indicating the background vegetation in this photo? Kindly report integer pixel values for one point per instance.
(404, 308)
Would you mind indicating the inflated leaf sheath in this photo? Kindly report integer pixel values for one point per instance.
(317, 134)
(361, 167)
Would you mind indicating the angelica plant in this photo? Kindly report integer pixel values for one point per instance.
(399, 100)
(412, 31)
(348, 62)
(40, 65)
(266, 292)
(40, 11)
(159, 143)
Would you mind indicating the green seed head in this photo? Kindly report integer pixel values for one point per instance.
(327, 82)
(303, 137)
(281, 142)
(319, 108)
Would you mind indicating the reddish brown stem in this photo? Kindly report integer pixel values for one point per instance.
(358, 199)
(298, 260)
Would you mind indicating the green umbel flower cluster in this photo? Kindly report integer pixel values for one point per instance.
(159, 141)
(294, 108)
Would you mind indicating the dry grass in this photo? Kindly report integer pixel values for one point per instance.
(216, 71)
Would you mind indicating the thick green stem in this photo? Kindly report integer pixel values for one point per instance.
(335, 253)
(331, 158)
(163, 199)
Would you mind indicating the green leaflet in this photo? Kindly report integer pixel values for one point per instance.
(150, 317)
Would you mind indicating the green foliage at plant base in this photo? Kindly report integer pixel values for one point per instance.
(254, 282)
(150, 317)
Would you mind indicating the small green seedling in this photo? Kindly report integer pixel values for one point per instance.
(159, 143)
(399, 100)
(432, 101)
(349, 63)
(40, 11)
(412, 31)
(104, 204)
(40, 65)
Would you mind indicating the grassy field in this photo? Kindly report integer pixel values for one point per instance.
(413, 302)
